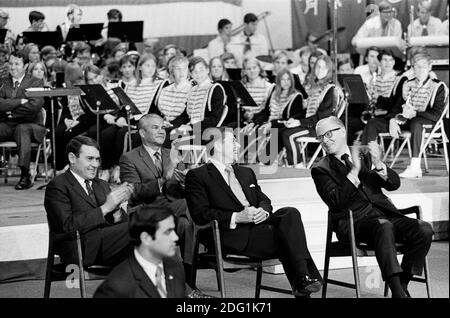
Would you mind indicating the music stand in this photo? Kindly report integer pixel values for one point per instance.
(52, 38)
(354, 89)
(3, 35)
(130, 31)
(237, 95)
(235, 74)
(85, 32)
(95, 95)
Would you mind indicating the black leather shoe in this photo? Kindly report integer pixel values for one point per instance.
(307, 286)
(24, 183)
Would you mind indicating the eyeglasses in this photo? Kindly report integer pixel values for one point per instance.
(328, 134)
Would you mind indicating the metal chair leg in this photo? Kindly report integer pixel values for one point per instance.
(258, 282)
(427, 278)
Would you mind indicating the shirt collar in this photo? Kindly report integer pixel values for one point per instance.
(347, 151)
(152, 152)
(218, 164)
(148, 266)
(79, 178)
(20, 79)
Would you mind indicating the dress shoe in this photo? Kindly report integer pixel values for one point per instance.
(307, 286)
(24, 183)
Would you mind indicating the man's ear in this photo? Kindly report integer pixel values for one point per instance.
(72, 157)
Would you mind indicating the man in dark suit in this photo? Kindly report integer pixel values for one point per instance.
(157, 180)
(351, 180)
(153, 270)
(21, 119)
(231, 195)
(78, 200)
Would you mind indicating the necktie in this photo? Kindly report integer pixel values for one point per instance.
(424, 30)
(248, 45)
(16, 88)
(158, 281)
(90, 191)
(348, 163)
(236, 186)
(158, 163)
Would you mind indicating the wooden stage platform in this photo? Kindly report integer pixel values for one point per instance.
(24, 231)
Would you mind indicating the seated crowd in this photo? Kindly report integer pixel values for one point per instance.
(121, 180)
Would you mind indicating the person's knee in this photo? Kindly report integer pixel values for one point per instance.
(384, 227)
(289, 211)
(426, 230)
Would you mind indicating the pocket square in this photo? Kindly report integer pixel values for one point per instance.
(251, 186)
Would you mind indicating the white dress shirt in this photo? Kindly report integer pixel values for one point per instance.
(216, 47)
(81, 181)
(150, 269)
(221, 167)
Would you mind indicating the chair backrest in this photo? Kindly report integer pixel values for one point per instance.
(224, 115)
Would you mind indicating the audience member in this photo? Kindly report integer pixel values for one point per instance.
(78, 201)
(348, 180)
(217, 70)
(153, 270)
(21, 118)
(231, 195)
(37, 23)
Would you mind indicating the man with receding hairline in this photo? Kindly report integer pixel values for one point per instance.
(352, 179)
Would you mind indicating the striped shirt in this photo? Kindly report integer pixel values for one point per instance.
(384, 84)
(172, 100)
(73, 103)
(142, 95)
(316, 95)
(420, 95)
(277, 107)
(259, 91)
(197, 102)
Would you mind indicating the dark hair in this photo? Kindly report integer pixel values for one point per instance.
(223, 23)
(250, 17)
(74, 145)
(146, 219)
(372, 48)
(385, 52)
(35, 16)
(20, 55)
(126, 59)
(89, 68)
(227, 56)
(168, 47)
(193, 61)
(343, 61)
(81, 47)
(114, 13)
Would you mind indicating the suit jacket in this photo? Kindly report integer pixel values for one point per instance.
(137, 167)
(129, 280)
(210, 198)
(69, 208)
(333, 186)
(20, 113)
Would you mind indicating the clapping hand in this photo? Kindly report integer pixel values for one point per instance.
(356, 159)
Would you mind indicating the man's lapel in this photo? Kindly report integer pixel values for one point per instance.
(76, 186)
(245, 187)
(148, 161)
(143, 280)
(215, 175)
(98, 191)
(170, 280)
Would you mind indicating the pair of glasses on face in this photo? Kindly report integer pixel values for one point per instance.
(328, 134)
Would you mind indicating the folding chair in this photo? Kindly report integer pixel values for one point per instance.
(356, 249)
(221, 262)
(57, 272)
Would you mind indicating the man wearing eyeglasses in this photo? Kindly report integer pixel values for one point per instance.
(382, 24)
(351, 178)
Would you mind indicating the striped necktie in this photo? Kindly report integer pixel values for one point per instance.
(16, 88)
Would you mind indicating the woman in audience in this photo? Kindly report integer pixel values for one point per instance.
(38, 70)
(229, 61)
(127, 71)
(258, 87)
(280, 62)
(310, 76)
(172, 99)
(320, 104)
(303, 67)
(31, 52)
(143, 96)
(284, 103)
(217, 70)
